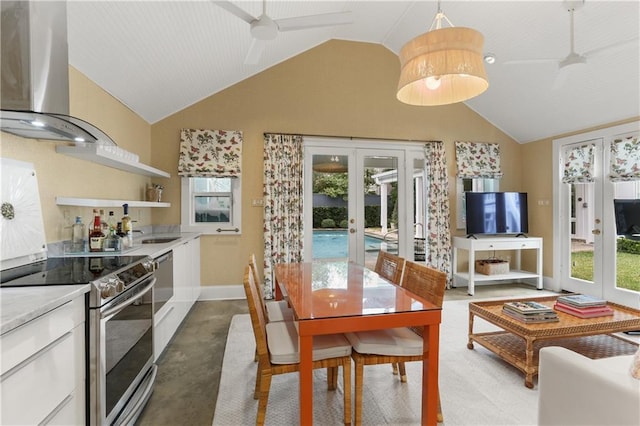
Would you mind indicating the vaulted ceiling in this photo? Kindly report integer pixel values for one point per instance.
(160, 57)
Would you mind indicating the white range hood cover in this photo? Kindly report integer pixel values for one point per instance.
(22, 228)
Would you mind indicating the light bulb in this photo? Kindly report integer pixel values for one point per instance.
(432, 83)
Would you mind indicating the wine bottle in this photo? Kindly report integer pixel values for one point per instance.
(96, 237)
(127, 227)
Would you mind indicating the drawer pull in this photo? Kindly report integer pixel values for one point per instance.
(33, 357)
(56, 410)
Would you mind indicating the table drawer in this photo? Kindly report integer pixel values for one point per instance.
(504, 245)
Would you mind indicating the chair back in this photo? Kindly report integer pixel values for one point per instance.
(389, 266)
(258, 284)
(424, 281)
(258, 320)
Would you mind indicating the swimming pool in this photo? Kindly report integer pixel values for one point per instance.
(333, 244)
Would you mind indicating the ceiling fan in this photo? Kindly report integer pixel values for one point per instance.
(264, 28)
(573, 59)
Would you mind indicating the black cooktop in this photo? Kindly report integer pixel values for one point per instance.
(65, 270)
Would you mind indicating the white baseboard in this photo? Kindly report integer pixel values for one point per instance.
(222, 292)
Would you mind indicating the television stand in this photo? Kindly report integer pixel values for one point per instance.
(473, 245)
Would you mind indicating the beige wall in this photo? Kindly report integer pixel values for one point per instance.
(60, 175)
(336, 89)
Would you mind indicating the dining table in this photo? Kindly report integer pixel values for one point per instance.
(338, 297)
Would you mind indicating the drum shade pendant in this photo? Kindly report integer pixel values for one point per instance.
(442, 66)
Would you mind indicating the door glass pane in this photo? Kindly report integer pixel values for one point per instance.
(420, 210)
(627, 218)
(380, 200)
(330, 211)
(582, 219)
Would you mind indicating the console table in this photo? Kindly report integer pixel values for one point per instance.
(473, 245)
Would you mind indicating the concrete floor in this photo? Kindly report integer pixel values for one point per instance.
(189, 370)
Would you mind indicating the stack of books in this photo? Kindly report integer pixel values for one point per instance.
(583, 306)
(529, 311)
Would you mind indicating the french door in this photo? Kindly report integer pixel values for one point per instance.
(358, 197)
(588, 259)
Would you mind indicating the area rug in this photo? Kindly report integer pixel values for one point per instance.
(476, 387)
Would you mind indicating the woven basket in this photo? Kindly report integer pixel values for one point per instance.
(492, 266)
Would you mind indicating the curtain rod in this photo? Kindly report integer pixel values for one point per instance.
(348, 137)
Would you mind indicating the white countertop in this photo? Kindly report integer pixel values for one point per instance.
(19, 305)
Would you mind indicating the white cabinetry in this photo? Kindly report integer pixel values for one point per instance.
(186, 290)
(473, 245)
(42, 378)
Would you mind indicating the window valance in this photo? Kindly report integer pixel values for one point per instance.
(478, 160)
(578, 164)
(625, 159)
(210, 153)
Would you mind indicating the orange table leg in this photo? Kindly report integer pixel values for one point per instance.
(431, 338)
(306, 380)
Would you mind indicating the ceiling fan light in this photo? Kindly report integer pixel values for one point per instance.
(454, 56)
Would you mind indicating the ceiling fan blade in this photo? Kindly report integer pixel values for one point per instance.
(530, 61)
(232, 8)
(255, 51)
(612, 47)
(314, 21)
(561, 78)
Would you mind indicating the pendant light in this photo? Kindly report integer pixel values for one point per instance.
(442, 66)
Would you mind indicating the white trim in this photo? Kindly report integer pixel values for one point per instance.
(222, 292)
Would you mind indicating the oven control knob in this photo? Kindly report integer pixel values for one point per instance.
(119, 285)
(148, 265)
(107, 290)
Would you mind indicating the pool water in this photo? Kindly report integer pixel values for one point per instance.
(333, 244)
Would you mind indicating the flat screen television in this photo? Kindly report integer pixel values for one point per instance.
(494, 213)
(627, 214)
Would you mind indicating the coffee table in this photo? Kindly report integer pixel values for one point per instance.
(519, 343)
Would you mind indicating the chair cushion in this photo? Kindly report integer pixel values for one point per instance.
(391, 342)
(279, 310)
(282, 339)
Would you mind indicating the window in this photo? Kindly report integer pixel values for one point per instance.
(471, 185)
(211, 205)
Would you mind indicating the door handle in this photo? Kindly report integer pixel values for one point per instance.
(596, 231)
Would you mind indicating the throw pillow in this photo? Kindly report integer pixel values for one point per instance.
(635, 365)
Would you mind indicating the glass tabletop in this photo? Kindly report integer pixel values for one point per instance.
(343, 289)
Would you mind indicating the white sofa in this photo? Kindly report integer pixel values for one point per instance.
(576, 390)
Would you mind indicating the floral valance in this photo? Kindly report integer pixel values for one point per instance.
(625, 159)
(578, 164)
(478, 160)
(210, 153)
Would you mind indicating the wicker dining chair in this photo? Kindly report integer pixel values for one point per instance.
(389, 266)
(397, 345)
(274, 310)
(277, 347)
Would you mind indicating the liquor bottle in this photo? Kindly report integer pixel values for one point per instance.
(96, 237)
(112, 242)
(127, 228)
(111, 221)
(103, 223)
(77, 236)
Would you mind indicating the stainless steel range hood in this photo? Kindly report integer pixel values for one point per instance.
(35, 75)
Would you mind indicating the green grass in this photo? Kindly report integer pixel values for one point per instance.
(627, 271)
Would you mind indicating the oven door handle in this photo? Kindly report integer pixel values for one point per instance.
(129, 301)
